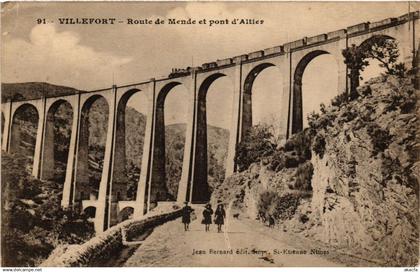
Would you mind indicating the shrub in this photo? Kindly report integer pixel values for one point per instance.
(31, 188)
(349, 114)
(325, 121)
(380, 138)
(280, 207)
(303, 177)
(392, 169)
(318, 145)
(277, 161)
(296, 150)
(408, 101)
(396, 99)
(408, 105)
(303, 218)
(267, 200)
(256, 144)
(364, 90)
(291, 161)
(312, 120)
(398, 70)
(339, 100)
(322, 108)
(300, 143)
(366, 113)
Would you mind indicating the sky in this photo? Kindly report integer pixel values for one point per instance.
(91, 57)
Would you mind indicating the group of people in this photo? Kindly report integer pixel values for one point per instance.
(219, 217)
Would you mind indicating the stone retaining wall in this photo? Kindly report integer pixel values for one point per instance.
(107, 244)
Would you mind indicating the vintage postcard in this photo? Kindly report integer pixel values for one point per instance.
(210, 134)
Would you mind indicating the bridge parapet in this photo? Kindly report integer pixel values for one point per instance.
(358, 28)
(240, 58)
(316, 39)
(299, 44)
(382, 23)
(273, 50)
(256, 54)
(295, 44)
(385, 23)
(337, 34)
(409, 16)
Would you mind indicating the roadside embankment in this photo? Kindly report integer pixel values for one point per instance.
(107, 244)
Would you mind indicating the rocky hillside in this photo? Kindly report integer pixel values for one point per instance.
(368, 173)
(357, 189)
(33, 90)
(32, 221)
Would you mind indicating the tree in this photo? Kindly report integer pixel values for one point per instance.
(385, 51)
(380, 48)
(355, 59)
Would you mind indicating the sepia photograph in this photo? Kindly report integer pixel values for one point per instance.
(210, 134)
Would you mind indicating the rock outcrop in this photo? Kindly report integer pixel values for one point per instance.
(365, 192)
(363, 171)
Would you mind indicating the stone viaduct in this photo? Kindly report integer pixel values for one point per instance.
(291, 58)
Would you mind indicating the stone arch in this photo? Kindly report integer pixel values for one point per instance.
(90, 211)
(247, 96)
(297, 109)
(120, 158)
(160, 101)
(24, 130)
(90, 153)
(202, 91)
(125, 213)
(56, 144)
(200, 188)
(125, 174)
(159, 190)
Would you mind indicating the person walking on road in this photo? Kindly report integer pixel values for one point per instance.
(186, 216)
(207, 213)
(219, 217)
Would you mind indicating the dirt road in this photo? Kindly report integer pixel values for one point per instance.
(244, 242)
